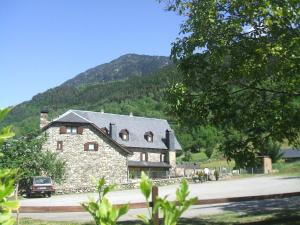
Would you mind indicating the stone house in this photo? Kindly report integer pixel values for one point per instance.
(117, 147)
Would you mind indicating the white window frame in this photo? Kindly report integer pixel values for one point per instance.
(72, 130)
(93, 148)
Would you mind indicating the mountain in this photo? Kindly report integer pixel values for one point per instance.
(123, 67)
(131, 83)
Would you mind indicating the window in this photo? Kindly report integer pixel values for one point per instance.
(91, 146)
(71, 130)
(59, 145)
(162, 157)
(149, 136)
(144, 157)
(124, 135)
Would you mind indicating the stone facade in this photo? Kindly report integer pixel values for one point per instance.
(154, 155)
(83, 166)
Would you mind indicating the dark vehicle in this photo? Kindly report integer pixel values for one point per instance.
(39, 186)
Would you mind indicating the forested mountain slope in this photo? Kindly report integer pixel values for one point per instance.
(121, 68)
(142, 95)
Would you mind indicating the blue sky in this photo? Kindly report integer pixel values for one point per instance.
(46, 42)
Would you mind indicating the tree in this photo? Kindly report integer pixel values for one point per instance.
(5, 132)
(25, 154)
(241, 72)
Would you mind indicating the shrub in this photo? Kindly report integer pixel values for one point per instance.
(103, 212)
(217, 174)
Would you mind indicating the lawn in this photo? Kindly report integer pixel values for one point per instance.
(290, 168)
(288, 216)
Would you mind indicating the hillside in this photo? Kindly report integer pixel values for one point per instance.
(121, 68)
(133, 91)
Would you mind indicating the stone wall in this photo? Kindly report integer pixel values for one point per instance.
(152, 157)
(83, 167)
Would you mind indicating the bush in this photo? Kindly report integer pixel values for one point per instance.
(217, 174)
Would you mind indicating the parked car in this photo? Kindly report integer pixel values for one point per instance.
(39, 186)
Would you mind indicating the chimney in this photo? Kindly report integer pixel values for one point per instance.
(113, 131)
(44, 118)
(131, 114)
(170, 139)
(102, 111)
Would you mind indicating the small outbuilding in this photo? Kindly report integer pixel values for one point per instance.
(291, 155)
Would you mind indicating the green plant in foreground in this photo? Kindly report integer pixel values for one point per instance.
(171, 210)
(146, 187)
(102, 210)
(7, 181)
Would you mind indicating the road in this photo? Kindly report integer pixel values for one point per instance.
(230, 188)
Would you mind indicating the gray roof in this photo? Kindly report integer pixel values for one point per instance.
(291, 153)
(136, 126)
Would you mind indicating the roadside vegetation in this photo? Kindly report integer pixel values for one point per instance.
(287, 168)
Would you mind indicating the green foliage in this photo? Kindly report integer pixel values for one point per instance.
(7, 181)
(198, 139)
(241, 74)
(272, 149)
(217, 174)
(103, 212)
(172, 212)
(187, 156)
(146, 188)
(5, 132)
(26, 155)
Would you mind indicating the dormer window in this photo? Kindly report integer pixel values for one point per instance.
(71, 130)
(149, 136)
(124, 135)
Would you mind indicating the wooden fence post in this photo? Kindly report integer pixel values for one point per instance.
(155, 215)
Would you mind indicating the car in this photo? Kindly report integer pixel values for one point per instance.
(39, 186)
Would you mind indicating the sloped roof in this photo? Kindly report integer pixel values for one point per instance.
(137, 127)
(291, 153)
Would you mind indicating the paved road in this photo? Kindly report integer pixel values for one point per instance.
(249, 207)
(230, 188)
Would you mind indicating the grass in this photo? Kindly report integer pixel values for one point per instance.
(289, 217)
(287, 168)
(217, 164)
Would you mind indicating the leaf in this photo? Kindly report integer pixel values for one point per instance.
(145, 185)
(108, 189)
(143, 218)
(10, 205)
(123, 210)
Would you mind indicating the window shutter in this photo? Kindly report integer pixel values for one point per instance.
(79, 130)
(86, 146)
(146, 157)
(62, 130)
(96, 146)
